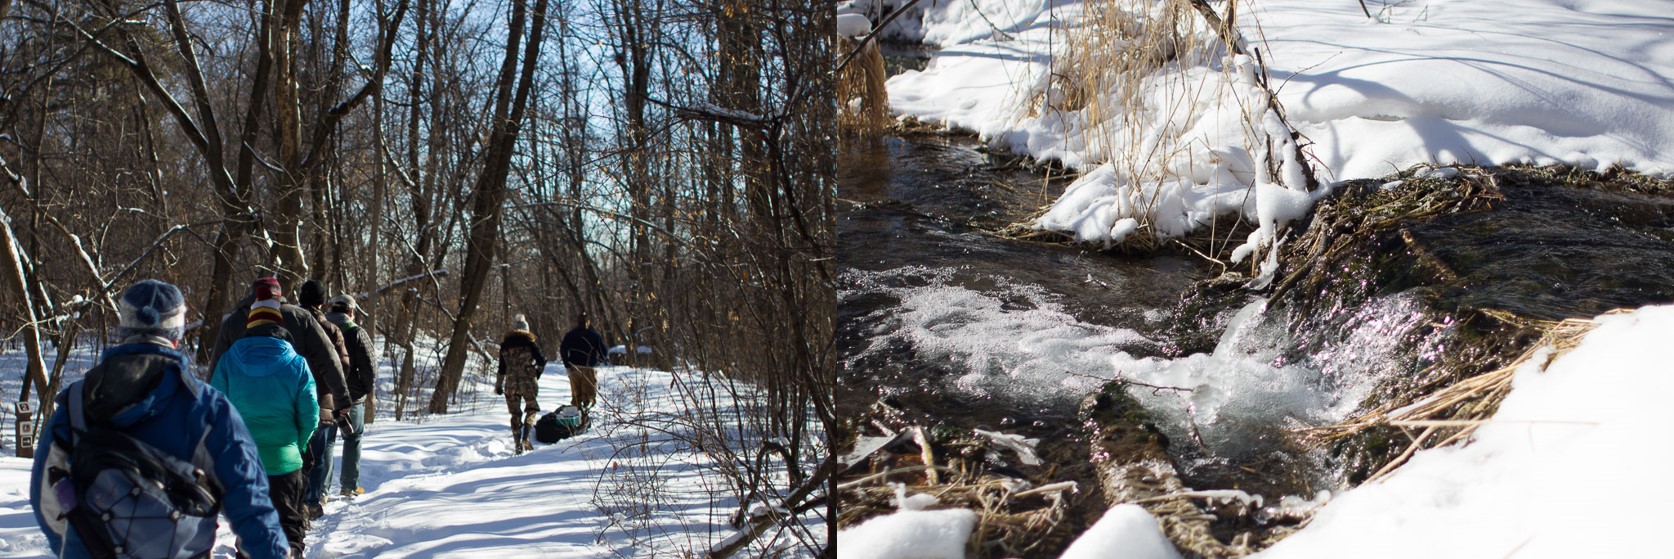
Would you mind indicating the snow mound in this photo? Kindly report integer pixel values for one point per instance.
(1128, 528)
(911, 533)
(1570, 466)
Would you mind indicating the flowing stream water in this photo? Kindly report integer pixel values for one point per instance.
(963, 328)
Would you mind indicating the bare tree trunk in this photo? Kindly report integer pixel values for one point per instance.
(286, 226)
(635, 51)
(11, 274)
(488, 197)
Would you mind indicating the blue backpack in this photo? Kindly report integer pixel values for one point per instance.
(126, 498)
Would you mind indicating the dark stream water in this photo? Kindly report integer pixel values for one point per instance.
(960, 327)
(929, 295)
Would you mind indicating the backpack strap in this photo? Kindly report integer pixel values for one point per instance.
(78, 411)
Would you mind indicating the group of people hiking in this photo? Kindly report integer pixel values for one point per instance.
(522, 362)
(297, 374)
(258, 445)
(139, 456)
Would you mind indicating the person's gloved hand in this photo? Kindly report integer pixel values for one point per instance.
(499, 391)
(343, 414)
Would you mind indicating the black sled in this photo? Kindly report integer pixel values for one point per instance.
(559, 425)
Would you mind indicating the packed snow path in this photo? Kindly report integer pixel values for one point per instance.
(451, 486)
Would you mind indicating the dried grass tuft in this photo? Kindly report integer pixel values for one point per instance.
(862, 100)
(1450, 414)
(1013, 519)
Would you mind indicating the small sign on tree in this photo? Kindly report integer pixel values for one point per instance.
(25, 430)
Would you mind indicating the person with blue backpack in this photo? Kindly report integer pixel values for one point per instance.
(271, 386)
(139, 415)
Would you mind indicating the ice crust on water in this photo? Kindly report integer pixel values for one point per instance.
(1024, 447)
(1016, 341)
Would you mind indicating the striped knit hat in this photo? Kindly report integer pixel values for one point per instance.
(265, 311)
(266, 288)
(151, 307)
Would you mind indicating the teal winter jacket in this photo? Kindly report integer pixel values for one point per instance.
(271, 387)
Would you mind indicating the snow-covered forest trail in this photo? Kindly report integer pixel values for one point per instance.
(451, 486)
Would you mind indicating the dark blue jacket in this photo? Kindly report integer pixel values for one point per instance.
(582, 347)
(169, 419)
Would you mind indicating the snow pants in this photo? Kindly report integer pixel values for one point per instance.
(524, 418)
(287, 492)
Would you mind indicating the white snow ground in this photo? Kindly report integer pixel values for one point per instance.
(1569, 466)
(1436, 82)
(451, 486)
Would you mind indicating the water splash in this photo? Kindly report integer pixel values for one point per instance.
(1259, 382)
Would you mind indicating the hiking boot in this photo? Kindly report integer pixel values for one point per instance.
(315, 511)
(526, 446)
(352, 493)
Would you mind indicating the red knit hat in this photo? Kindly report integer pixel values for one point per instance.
(266, 288)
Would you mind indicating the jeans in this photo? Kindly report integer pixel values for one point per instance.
(320, 449)
(351, 447)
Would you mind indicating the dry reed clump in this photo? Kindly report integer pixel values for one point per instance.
(1114, 55)
(862, 100)
(1013, 520)
(1134, 76)
(1113, 48)
(1452, 413)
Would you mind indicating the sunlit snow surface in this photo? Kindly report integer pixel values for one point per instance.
(1519, 81)
(1572, 465)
